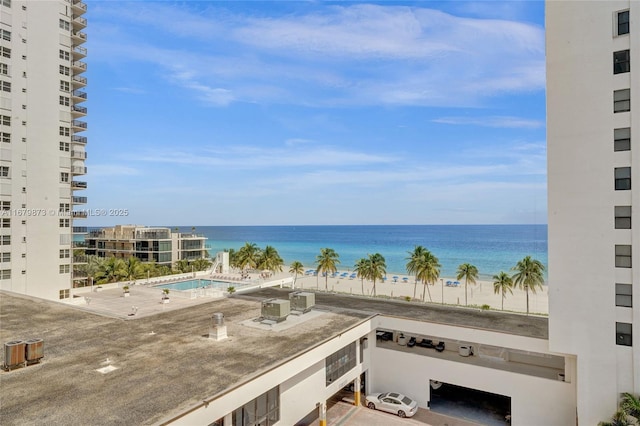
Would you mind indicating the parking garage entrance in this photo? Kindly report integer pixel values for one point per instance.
(470, 404)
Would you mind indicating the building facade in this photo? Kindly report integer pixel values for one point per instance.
(149, 244)
(42, 147)
(593, 83)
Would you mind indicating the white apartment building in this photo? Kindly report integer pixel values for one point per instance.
(593, 123)
(42, 150)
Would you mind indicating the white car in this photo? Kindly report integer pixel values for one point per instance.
(395, 403)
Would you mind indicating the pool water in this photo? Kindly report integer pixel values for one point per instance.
(192, 284)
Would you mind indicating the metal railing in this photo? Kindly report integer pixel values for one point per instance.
(80, 229)
(79, 124)
(79, 171)
(79, 155)
(78, 108)
(79, 20)
(79, 34)
(79, 64)
(80, 50)
(79, 139)
(79, 94)
(78, 185)
(79, 200)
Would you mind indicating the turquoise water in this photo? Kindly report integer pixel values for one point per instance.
(191, 284)
(491, 248)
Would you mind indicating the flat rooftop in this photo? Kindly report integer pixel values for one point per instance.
(164, 361)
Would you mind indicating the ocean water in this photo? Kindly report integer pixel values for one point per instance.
(491, 248)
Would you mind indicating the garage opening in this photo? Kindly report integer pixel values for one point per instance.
(471, 404)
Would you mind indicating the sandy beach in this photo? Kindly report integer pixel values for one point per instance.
(479, 294)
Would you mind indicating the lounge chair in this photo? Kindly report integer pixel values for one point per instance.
(440, 346)
(412, 342)
(427, 343)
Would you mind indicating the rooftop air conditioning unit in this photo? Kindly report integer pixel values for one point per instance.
(276, 310)
(302, 301)
(14, 354)
(34, 350)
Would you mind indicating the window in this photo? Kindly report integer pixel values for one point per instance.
(622, 139)
(623, 334)
(5, 205)
(5, 3)
(5, 86)
(622, 178)
(622, 23)
(5, 240)
(63, 70)
(64, 223)
(621, 62)
(5, 35)
(5, 222)
(4, 69)
(622, 100)
(5, 137)
(4, 171)
(65, 207)
(64, 269)
(64, 25)
(64, 86)
(623, 256)
(64, 100)
(5, 274)
(5, 257)
(263, 411)
(340, 362)
(64, 146)
(64, 254)
(5, 52)
(64, 131)
(5, 120)
(623, 295)
(64, 177)
(622, 215)
(64, 294)
(64, 55)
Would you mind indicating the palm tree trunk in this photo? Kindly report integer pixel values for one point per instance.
(465, 292)
(326, 282)
(503, 299)
(415, 288)
(426, 286)
(362, 285)
(527, 290)
(374, 287)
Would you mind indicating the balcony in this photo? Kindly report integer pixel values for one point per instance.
(79, 200)
(79, 139)
(79, 52)
(78, 126)
(77, 170)
(79, 95)
(78, 185)
(78, 36)
(79, 244)
(78, 155)
(78, 22)
(78, 111)
(79, 274)
(80, 229)
(78, 7)
(79, 66)
(78, 81)
(80, 259)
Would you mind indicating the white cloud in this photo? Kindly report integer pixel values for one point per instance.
(493, 121)
(100, 170)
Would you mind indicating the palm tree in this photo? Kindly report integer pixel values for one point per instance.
(270, 260)
(132, 268)
(428, 272)
(247, 256)
(469, 273)
(377, 268)
(413, 265)
(501, 284)
(111, 270)
(528, 276)
(182, 266)
(327, 261)
(295, 269)
(92, 268)
(360, 268)
(620, 418)
(631, 404)
(201, 264)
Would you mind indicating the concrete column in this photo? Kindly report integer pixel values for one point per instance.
(356, 391)
(322, 413)
(228, 420)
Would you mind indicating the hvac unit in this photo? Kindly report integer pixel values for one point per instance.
(302, 301)
(34, 350)
(276, 310)
(13, 354)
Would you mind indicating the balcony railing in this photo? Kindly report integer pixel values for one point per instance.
(79, 36)
(79, 20)
(79, 139)
(79, 200)
(79, 51)
(77, 124)
(79, 244)
(78, 155)
(79, 94)
(77, 4)
(77, 170)
(79, 274)
(80, 229)
(79, 65)
(78, 185)
(78, 80)
(80, 259)
(79, 109)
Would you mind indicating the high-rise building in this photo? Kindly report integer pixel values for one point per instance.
(593, 129)
(42, 150)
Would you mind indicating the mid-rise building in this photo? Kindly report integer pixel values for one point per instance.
(593, 128)
(149, 244)
(42, 150)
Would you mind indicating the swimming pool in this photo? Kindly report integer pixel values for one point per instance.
(191, 284)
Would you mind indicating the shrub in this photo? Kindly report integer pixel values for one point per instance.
(485, 307)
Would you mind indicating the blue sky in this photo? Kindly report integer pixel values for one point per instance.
(275, 113)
